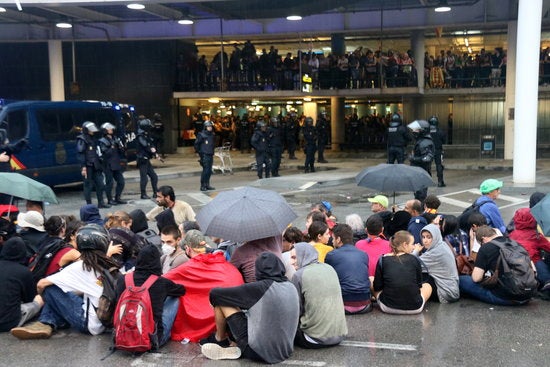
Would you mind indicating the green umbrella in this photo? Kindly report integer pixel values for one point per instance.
(21, 186)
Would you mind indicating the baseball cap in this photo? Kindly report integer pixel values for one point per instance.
(489, 185)
(380, 199)
(31, 219)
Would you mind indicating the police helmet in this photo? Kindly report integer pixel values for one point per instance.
(208, 123)
(89, 126)
(92, 237)
(107, 126)
(434, 121)
(274, 120)
(145, 124)
(157, 117)
(396, 118)
(309, 121)
(420, 127)
(260, 124)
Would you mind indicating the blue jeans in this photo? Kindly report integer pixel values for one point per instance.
(63, 309)
(169, 312)
(476, 290)
(543, 272)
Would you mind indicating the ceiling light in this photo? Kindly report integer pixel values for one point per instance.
(466, 42)
(294, 17)
(213, 100)
(135, 6)
(442, 7)
(307, 99)
(2, 10)
(185, 21)
(64, 25)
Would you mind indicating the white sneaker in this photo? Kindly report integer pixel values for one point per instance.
(214, 351)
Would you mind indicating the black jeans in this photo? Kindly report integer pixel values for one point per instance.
(206, 161)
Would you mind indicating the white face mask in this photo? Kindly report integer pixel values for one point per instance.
(167, 249)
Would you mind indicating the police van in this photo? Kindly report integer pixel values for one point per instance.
(51, 129)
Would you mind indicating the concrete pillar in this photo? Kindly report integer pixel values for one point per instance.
(338, 44)
(510, 98)
(337, 130)
(418, 48)
(525, 125)
(310, 110)
(57, 81)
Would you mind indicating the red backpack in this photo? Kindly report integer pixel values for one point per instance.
(134, 326)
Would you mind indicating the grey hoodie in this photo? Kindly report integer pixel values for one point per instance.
(441, 264)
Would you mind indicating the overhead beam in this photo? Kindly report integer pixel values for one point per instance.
(77, 12)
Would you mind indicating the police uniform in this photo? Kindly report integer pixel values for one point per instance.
(275, 133)
(261, 143)
(145, 152)
(113, 151)
(438, 138)
(204, 145)
(398, 138)
(291, 132)
(423, 153)
(89, 156)
(322, 127)
(310, 139)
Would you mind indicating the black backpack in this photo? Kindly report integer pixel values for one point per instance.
(109, 297)
(465, 216)
(518, 278)
(39, 263)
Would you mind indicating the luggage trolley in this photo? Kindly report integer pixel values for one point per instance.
(224, 154)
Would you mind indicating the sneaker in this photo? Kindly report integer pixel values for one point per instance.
(545, 287)
(211, 339)
(35, 330)
(214, 351)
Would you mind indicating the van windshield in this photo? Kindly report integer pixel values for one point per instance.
(17, 125)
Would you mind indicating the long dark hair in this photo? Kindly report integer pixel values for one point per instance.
(96, 260)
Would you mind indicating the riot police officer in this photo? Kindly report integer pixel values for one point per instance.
(113, 152)
(261, 144)
(204, 146)
(157, 133)
(89, 156)
(355, 132)
(398, 138)
(322, 127)
(291, 132)
(145, 152)
(438, 138)
(310, 139)
(423, 153)
(275, 133)
(243, 133)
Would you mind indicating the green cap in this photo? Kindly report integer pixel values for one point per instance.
(489, 185)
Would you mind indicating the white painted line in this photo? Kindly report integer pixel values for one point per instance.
(350, 343)
(514, 204)
(294, 362)
(511, 198)
(307, 185)
(200, 197)
(459, 203)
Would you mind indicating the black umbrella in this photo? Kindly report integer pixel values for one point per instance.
(394, 177)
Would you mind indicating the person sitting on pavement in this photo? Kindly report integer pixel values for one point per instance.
(291, 236)
(204, 271)
(490, 190)
(71, 296)
(352, 267)
(485, 265)
(375, 245)
(125, 242)
(526, 234)
(453, 235)
(37, 206)
(417, 222)
(19, 302)
(533, 200)
(440, 264)
(244, 256)
(166, 199)
(399, 222)
(319, 235)
(431, 205)
(476, 220)
(356, 223)
(32, 231)
(164, 293)
(172, 254)
(266, 331)
(322, 317)
(398, 284)
(379, 206)
(165, 219)
(140, 227)
(89, 214)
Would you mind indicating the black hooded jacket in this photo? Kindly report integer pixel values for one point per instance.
(17, 283)
(148, 263)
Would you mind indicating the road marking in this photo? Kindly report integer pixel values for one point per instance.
(454, 202)
(349, 343)
(304, 363)
(200, 197)
(307, 185)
